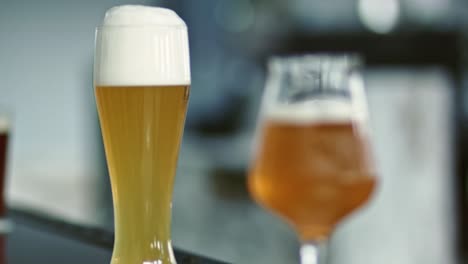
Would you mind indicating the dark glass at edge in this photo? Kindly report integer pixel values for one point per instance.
(3, 162)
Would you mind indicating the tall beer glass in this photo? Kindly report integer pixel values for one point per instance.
(142, 80)
(312, 164)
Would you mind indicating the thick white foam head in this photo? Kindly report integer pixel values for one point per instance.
(136, 15)
(313, 111)
(4, 124)
(141, 45)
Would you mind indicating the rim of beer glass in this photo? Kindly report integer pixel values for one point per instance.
(351, 61)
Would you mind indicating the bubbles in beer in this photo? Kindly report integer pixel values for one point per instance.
(141, 46)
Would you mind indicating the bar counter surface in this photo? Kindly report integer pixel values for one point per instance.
(39, 238)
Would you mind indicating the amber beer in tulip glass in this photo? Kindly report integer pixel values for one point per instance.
(312, 162)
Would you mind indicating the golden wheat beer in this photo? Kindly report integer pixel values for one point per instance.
(312, 172)
(142, 81)
(142, 129)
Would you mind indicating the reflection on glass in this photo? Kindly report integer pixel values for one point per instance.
(142, 81)
(312, 164)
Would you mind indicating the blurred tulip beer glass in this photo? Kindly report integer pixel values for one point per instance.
(142, 80)
(312, 163)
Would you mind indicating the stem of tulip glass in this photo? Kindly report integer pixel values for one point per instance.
(312, 253)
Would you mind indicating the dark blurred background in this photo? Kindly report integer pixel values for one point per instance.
(415, 51)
